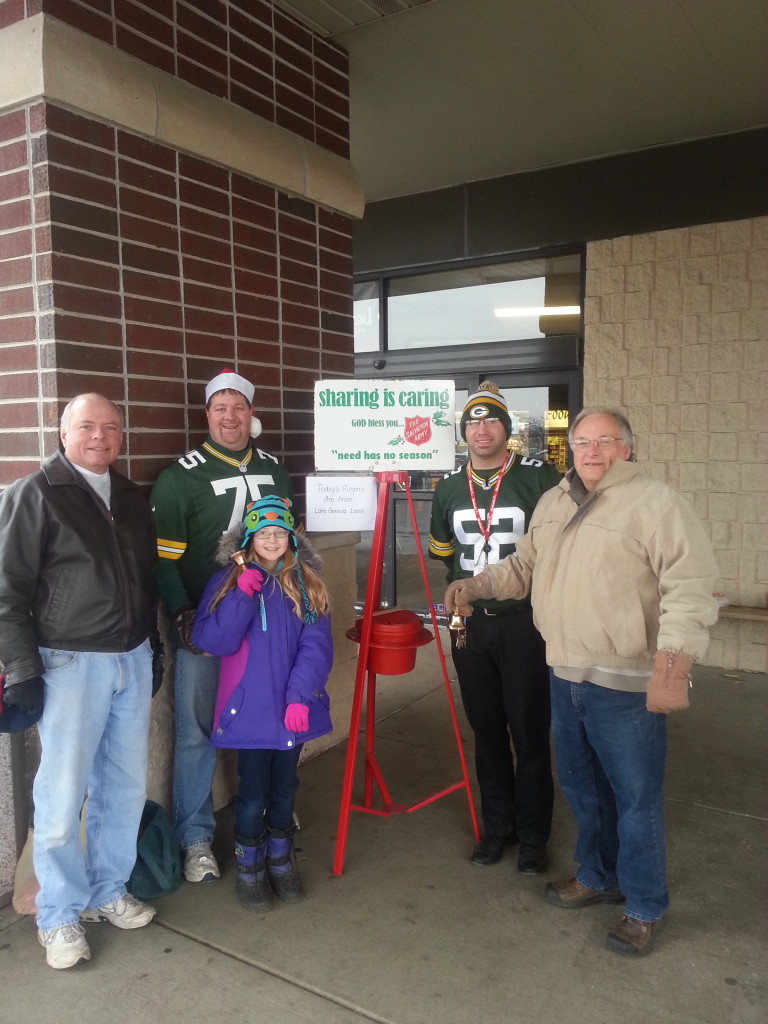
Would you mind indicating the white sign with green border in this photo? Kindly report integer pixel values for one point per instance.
(375, 426)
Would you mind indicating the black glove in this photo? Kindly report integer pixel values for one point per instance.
(158, 654)
(183, 623)
(27, 695)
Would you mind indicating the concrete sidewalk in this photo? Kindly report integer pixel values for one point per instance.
(412, 933)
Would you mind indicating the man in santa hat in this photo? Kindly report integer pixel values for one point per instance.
(196, 499)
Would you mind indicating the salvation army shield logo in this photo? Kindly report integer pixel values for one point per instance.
(418, 430)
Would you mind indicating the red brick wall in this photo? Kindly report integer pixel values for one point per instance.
(246, 51)
(137, 271)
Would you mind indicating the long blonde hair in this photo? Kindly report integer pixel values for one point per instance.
(287, 577)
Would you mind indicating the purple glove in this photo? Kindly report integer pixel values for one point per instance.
(297, 717)
(249, 581)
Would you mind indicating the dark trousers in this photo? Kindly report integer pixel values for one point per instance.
(504, 682)
(268, 784)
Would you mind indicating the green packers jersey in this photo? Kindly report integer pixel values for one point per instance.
(455, 535)
(196, 499)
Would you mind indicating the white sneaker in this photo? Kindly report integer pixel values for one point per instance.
(200, 864)
(65, 946)
(124, 912)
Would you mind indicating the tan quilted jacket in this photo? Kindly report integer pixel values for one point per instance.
(628, 571)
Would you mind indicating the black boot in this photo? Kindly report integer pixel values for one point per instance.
(252, 884)
(281, 865)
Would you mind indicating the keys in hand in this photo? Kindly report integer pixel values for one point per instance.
(668, 686)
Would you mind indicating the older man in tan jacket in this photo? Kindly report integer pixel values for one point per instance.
(620, 572)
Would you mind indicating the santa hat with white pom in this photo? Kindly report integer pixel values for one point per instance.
(228, 380)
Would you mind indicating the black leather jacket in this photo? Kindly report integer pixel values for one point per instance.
(73, 575)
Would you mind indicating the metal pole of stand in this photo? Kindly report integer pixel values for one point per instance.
(372, 596)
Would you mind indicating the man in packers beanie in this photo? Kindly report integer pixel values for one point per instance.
(195, 500)
(478, 513)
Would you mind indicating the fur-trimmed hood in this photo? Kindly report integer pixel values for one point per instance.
(232, 541)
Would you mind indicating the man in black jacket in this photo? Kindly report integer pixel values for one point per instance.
(77, 608)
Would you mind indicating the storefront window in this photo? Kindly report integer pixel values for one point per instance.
(517, 323)
(533, 298)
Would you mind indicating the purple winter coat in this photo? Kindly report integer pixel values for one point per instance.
(263, 671)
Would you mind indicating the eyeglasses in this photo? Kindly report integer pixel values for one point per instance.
(485, 419)
(583, 444)
(270, 534)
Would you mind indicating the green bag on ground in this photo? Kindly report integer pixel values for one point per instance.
(157, 871)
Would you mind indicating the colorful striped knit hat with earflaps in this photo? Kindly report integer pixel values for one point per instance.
(275, 511)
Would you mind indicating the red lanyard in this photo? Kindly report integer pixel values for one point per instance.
(485, 530)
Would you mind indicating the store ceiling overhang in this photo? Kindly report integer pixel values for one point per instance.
(444, 92)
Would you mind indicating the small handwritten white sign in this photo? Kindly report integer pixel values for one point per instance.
(341, 503)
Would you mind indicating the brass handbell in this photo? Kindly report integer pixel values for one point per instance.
(240, 558)
(457, 626)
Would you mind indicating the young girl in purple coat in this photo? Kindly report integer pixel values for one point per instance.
(266, 616)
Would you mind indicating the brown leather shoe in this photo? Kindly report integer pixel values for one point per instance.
(631, 937)
(571, 894)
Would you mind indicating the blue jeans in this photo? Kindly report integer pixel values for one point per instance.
(268, 784)
(194, 762)
(93, 735)
(610, 755)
